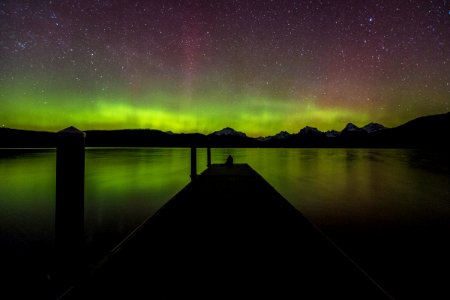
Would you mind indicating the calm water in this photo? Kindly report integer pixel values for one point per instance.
(388, 209)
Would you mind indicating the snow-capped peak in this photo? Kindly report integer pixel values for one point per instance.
(372, 127)
(310, 130)
(279, 136)
(332, 133)
(351, 127)
(282, 135)
(229, 132)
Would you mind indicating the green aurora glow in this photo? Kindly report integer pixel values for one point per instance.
(197, 70)
(256, 115)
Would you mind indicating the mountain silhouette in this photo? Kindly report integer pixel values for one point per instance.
(423, 132)
(372, 127)
(227, 131)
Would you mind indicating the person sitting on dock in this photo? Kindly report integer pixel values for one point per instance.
(229, 161)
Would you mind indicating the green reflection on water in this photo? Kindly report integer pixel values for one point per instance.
(354, 185)
(386, 202)
(27, 192)
(126, 186)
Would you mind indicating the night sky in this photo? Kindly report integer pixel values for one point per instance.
(198, 66)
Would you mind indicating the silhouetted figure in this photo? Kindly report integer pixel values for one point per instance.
(229, 161)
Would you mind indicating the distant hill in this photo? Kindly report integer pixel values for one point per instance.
(14, 138)
(423, 132)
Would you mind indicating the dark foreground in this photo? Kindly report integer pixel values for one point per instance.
(227, 235)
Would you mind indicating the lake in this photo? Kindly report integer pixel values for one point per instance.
(388, 209)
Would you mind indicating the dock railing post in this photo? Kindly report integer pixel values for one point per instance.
(193, 162)
(208, 157)
(69, 210)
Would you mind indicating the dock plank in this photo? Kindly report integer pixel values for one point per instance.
(228, 234)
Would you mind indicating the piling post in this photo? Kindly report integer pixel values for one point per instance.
(193, 162)
(69, 210)
(208, 157)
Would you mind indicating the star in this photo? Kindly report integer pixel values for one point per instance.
(165, 62)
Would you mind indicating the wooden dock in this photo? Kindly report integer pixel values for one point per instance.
(227, 235)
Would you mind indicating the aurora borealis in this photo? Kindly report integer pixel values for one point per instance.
(198, 66)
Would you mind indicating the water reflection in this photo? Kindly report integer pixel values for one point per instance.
(386, 207)
(126, 186)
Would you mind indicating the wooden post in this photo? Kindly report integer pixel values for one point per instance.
(208, 157)
(193, 162)
(69, 218)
